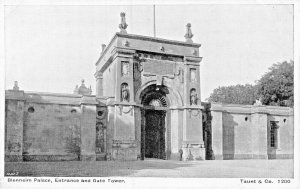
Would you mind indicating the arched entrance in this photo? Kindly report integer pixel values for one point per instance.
(154, 126)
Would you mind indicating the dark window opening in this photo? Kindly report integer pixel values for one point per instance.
(273, 134)
(30, 109)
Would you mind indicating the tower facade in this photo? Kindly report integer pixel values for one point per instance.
(151, 88)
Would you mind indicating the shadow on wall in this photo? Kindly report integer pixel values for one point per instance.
(207, 133)
(228, 136)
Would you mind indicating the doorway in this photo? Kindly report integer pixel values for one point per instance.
(153, 137)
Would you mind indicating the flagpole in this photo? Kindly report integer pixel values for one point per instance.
(154, 29)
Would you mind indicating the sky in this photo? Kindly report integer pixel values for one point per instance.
(52, 48)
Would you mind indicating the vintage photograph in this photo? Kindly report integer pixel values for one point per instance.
(148, 90)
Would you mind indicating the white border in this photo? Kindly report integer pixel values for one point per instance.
(156, 182)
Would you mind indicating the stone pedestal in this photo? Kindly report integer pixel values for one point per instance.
(192, 152)
(193, 144)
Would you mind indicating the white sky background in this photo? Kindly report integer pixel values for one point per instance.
(51, 48)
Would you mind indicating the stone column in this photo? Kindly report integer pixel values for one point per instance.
(99, 83)
(88, 129)
(14, 121)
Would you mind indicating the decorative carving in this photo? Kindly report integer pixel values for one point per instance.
(101, 129)
(160, 57)
(195, 113)
(123, 24)
(125, 68)
(193, 97)
(124, 92)
(179, 73)
(195, 53)
(188, 36)
(139, 62)
(125, 43)
(127, 109)
(193, 77)
(140, 66)
(100, 132)
(97, 75)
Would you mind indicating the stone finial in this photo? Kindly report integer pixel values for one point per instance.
(123, 24)
(103, 47)
(83, 90)
(16, 87)
(188, 36)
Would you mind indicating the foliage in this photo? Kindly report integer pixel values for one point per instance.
(276, 87)
(235, 94)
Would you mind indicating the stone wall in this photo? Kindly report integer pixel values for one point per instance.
(49, 127)
(56, 127)
(243, 131)
(51, 131)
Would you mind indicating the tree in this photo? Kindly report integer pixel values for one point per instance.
(235, 94)
(276, 87)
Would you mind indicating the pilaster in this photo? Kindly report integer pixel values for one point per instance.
(217, 134)
(99, 83)
(88, 129)
(14, 122)
(259, 124)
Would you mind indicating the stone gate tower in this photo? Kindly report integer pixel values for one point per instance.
(149, 91)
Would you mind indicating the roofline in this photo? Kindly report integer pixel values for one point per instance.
(147, 38)
(52, 94)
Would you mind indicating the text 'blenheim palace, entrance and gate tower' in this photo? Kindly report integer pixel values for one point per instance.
(147, 105)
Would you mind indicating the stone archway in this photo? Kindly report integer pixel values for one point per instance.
(173, 96)
(154, 126)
